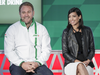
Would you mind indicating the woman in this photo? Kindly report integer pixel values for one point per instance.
(77, 45)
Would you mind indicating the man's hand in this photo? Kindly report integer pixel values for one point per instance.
(27, 66)
(34, 65)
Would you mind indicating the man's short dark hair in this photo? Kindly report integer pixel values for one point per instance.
(26, 4)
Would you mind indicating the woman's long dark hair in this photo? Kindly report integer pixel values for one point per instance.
(78, 12)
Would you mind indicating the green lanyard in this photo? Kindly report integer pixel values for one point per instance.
(35, 41)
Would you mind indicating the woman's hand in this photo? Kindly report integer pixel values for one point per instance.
(86, 62)
(77, 60)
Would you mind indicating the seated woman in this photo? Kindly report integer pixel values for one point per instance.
(77, 45)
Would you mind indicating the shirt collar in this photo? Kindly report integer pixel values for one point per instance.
(23, 23)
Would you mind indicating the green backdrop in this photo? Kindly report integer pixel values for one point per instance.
(55, 18)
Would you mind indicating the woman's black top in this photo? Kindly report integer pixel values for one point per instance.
(80, 51)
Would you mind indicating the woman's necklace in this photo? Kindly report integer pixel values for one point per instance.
(76, 31)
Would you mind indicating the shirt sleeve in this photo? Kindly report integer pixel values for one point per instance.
(9, 47)
(65, 49)
(91, 46)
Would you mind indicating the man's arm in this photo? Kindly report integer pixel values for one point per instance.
(9, 47)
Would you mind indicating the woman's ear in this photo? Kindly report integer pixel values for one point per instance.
(80, 17)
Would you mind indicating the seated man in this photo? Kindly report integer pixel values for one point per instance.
(27, 44)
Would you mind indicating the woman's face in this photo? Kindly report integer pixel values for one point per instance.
(74, 18)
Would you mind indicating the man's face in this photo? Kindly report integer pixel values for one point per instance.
(26, 13)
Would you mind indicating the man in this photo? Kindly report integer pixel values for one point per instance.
(27, 44)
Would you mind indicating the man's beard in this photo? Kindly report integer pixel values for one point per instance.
(29, 22)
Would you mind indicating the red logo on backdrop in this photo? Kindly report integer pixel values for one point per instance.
(55, 63)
